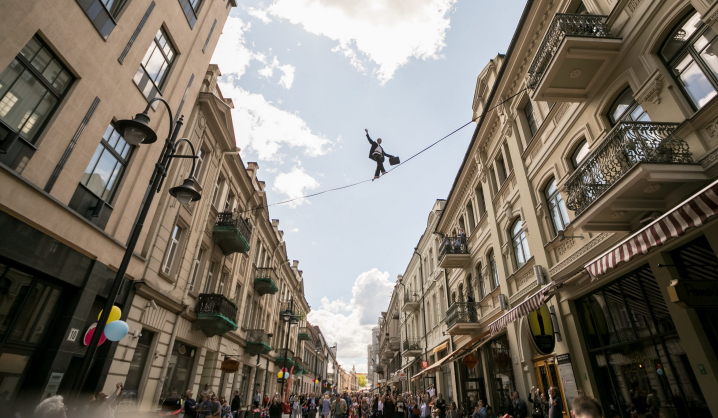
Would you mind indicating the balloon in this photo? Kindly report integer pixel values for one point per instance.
(116, 330)
(90, 332)
(280, 374)
(115, 315)
(660, 372)
(286, 375)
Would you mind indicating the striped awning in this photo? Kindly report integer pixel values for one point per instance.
(693, 212)
(522, 309)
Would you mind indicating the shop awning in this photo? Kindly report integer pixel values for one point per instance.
(440, 347)
(693, 212)
(522, 309)
(465, 349)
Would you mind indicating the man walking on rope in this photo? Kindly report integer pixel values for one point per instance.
(377, 154)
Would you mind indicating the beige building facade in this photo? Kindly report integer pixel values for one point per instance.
(578, 236)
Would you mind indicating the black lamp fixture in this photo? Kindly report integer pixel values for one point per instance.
(137, 131)
(187, 192)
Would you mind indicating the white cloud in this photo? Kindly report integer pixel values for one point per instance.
(259, 14)
(387, 32)
(294, 230)
(232, 56)
(287, 70)
(294, 184)
(265, 129)
(349, 324)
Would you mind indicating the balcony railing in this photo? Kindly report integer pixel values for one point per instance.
(412, 344)
(265, 280)
(216, 314)
(379, 368)
(561, 26)
(303, 334)
(257, 342)
(462, 312)
(453, 245)
(232, 233)
(280, 359)
(626, 145)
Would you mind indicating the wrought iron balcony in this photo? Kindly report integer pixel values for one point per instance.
(627, 145)
(299, 366)
(216, 314)
(412, 347)
(303, 334)
(454, 252)
(257, 342)
(463, 317)
(232, 233)
(285, 358)
(575, 49)
(379, 368)
(394, 344)
(265, 280)
(411, 302)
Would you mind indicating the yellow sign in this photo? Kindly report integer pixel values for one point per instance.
(540, 329)
(229, 365)
(694, 293)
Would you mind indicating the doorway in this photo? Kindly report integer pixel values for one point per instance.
(547, 375)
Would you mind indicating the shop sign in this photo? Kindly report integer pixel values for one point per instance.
(694, 293)
(568, 380)
(52, 385)
(540, 329)
(229, 365)
(402, 377)
(470, 361)
(424, 364)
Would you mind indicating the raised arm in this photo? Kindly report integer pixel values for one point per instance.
(367, 136)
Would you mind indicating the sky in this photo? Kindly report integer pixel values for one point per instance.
(306, 78)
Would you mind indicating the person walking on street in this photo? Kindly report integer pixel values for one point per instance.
(587, 407)
(481, 409)
(275, 408)
(540, 405)
(190, 405)
(555, 404)
(326, 406)
(377, 154)
(519, 406)
(339, 407)
(236, 404)
(389, 404)
(441, 405)
(451, 412)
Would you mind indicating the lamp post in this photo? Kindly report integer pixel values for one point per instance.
(291, 319)
(135, 132)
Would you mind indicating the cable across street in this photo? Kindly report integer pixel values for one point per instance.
(483, 114)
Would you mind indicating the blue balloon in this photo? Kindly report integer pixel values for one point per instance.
(660, 372)
(116, 330)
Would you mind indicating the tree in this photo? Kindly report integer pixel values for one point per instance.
(362, 380)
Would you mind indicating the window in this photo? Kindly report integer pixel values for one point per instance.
(462, 226)
(217, 192)
(199, 166)
(690, 54)
(229, 203)
(107, 166)
(30, 89)
(625, 108)
(530, 118)
(222, 283)
(172, 249)
(139, 360)
(102, 13)
(493, 270)
(579, 153)
(155, 65)
(210, 275)
(501, 170)
(556, 207)
(191, 10)
(482, 283)
(481, 201)
(195, 269)
(470, 215)
(521, 246)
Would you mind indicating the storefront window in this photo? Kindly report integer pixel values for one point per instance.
(637, 356)
(501, 374)
(180, 368)
(473, 383)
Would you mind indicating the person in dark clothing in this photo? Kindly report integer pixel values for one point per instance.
(173, 403)
(236, 403)
(441, 405)
(190, 406)
(275, 408)
(377, 154)
(389, 405)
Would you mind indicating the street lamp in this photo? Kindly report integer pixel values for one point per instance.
(135, 132)
(291, 319)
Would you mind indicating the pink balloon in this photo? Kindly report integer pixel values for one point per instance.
(90, 332)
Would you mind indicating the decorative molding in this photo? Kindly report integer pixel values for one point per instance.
(540, 214)
(651, 91)
(564, 247)
(618, 214)
(580, 252)
(523, 292)
(712, 129)
(710, 20)
(563, 107)
(652, 188)
(136, 33)
(710, 159)
(575, 73)
(633, 5)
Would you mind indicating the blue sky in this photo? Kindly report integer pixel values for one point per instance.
(306, 77)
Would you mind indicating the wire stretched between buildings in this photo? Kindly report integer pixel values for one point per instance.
(346, 186)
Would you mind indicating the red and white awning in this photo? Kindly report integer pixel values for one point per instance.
(522, 309)
(693, 212)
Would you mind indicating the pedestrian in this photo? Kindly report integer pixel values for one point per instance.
(441, 405)
(339, 407)
(236, 404)
(205, 406)
(400, 407)
(365, 410)
(275, 408)
(377, 154)
(296, 407)
(489, 412)
(389, 404)
(257, 399)
(481, 409)
(190, 405)
(653, 402)
(52, 407)
(451, 412)
(425, 407)
(540, 405)
(107, 409)
(587, 407)
(555, 404)
(519, 406)
(215, 407)
(226, 409)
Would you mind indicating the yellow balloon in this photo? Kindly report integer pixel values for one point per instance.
(280, 374)
(115, 314)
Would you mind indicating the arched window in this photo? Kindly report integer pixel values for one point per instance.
(626, 108)
(521, 246)
(482, 282)
(493, 270)
(461, 292)
(690, 54)
(579, 153)
(556, 207)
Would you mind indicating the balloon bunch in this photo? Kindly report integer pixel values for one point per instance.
(316, 382)
(115, 330)
(283, 374)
